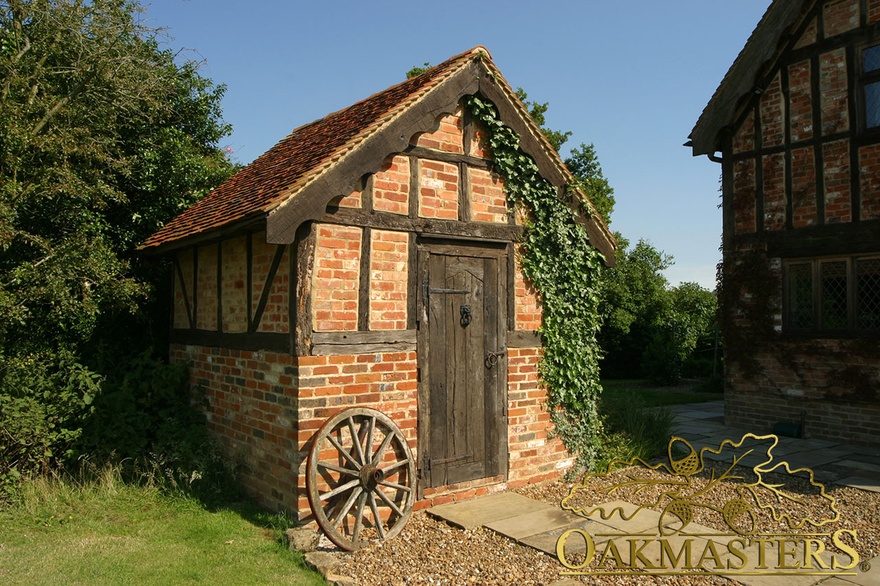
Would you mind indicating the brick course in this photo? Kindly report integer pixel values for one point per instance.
(487, 199)
(448, 137)
(438, 190)
(336, 277)
(744, 195)
(803, 187)
(838, 206)
(833, 90)
(800, 101)
(840, 16)
(389, 253)
(206, 292)
(233, 253)
(391, 186)
(774, 192)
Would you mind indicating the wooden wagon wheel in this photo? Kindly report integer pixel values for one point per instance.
(361, 478)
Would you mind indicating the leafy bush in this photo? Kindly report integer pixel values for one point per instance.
(632, 430)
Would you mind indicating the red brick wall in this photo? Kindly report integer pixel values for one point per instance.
(744, 139)
(438, 190)
(329, 384)
(250, 402)
(233, 253)
(800, 105)
(780, 394)
(527, 305)
(838, 206)
(335, 284)
(772, 109)
(774, 191)
(869, 165)
(840, 16)
(873, 10)
(803, 187)
(448, 137)
(389, 254)
(391, 186)
(487, 199)
(744, 196)
(833, 88)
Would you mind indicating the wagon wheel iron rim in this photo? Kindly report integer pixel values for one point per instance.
(361, 478)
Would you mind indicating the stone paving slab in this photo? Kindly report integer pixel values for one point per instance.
(859, 465)
(533, 523)
(861, 483)
(487, 509)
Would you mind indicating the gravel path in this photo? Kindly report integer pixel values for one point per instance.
(429, 551)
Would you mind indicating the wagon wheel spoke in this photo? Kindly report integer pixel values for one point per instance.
(381, 451)
(359, 517)
(347, 507)
(343, 452)
(341, 488)
(388, 469)
(356, 440)
(345, 475)
(368, 440)
(395, 486)
(376, 517)
(389, 502)
(339, 469)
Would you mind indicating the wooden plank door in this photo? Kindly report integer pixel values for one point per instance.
(463, 389)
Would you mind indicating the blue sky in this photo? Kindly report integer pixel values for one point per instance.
(629, 76)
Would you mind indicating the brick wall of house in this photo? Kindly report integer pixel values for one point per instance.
(251, 407)
(389, 278)
(816, 179)
(336, 277)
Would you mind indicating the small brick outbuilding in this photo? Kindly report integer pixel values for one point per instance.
(335, 271)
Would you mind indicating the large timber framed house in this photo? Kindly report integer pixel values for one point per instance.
(795, 124)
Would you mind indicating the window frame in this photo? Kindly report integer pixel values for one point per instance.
(863, 80)
(817, 297)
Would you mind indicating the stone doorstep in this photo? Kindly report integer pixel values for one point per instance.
(479, 511)
(533, 523)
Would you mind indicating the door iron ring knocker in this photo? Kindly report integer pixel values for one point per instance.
(465, 313)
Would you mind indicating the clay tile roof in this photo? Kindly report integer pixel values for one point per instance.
(309, 150)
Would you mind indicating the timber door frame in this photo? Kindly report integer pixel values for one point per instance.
(495, 381)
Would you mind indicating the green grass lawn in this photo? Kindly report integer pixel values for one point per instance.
(107, 532)
(650, 395)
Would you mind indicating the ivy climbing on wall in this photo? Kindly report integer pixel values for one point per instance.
(558, 259)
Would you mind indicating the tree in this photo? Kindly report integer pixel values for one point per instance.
(103, 137)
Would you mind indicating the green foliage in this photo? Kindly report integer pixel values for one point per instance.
(104, 136)
(536, 110)
(416, 70)
(651, 330)
(559, 260)
(584, 165)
